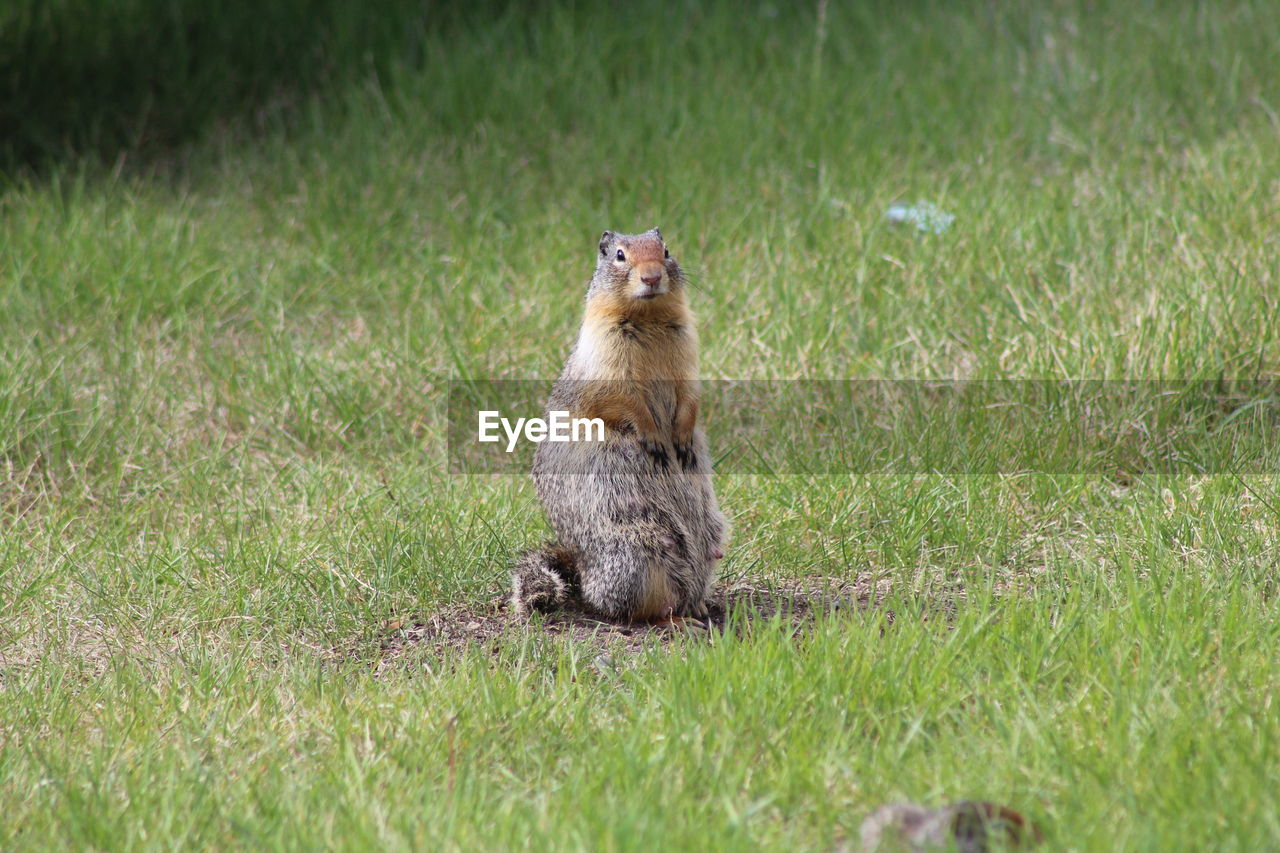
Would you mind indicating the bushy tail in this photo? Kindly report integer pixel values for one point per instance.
(543, 579)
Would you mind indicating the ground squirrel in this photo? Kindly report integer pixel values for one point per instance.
(638, 529)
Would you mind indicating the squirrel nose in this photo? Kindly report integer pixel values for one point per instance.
(652, 279)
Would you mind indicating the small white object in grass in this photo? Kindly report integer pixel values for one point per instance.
(924, 215)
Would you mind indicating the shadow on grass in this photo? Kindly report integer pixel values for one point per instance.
(83, 79)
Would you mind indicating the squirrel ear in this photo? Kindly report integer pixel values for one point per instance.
(655, 232)
(606, 240)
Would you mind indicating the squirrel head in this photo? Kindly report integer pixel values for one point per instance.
(636, 269)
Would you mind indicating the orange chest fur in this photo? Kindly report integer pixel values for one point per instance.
(618, 346)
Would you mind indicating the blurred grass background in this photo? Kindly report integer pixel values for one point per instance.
(244, 250)
(140, 78)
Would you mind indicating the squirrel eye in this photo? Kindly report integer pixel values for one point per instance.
(666, 253)
(621, 255)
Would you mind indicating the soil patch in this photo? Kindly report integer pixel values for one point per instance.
(491, 625)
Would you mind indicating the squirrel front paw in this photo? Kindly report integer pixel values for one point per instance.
(656, 450)
(685, 455)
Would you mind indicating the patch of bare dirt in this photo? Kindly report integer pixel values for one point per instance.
(491, 626)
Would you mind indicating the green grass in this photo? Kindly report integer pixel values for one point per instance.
(222, 421)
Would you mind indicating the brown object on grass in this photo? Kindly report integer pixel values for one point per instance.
(968, 826)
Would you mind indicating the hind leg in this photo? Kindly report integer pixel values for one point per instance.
(620, 582)
(628, 577)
